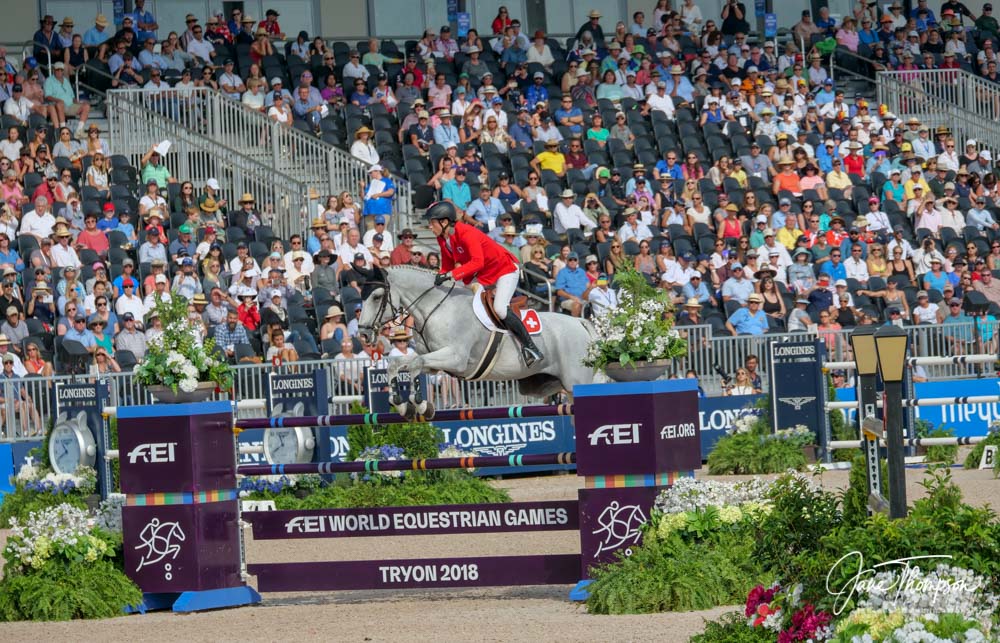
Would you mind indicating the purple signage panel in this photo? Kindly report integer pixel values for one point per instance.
(637, 427)
(555, 569)
(610, 522)
(414, 521)
(177, 548)
(164, 449)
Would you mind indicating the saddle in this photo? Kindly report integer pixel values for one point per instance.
(489, 293)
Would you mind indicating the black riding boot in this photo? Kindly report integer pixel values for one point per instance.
(529, 351)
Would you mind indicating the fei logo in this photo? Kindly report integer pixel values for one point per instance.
(615, 434)
(153, 453)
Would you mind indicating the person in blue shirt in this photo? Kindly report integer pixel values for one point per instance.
(834, 268)
(750, 320)
(378, 193)
(145, 23)
(485, 209)
(457, 191)
(307, 108)
(695, 289)
(826, 95)
(521, 131)
(572, 285)
(446, 132)
(80, 333)
(537, 93)
(98, 33)
(867, 35)
(668, 165)
(677, 79)
(570, 116)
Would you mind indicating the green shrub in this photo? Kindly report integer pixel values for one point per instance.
(415, 488)
(60, 592)
(754, 453)
(976, 455)
(671, 574)
(417, 439)
(21, 502)
(732, 628)
(945, 454)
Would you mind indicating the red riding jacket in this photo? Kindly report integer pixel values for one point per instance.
(475, 255)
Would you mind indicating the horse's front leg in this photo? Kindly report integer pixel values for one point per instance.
(395, 397)
(446, 359)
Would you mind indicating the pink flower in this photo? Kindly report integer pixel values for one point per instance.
(759, 595)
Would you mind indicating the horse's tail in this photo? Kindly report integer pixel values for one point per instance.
(599, 376)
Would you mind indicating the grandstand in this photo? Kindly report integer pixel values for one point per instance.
(758, 179)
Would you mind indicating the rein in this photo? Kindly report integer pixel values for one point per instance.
(402, 312)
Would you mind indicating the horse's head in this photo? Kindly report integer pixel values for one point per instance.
(400, 293)
(376, 311)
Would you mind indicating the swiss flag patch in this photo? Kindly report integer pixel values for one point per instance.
(529, 318)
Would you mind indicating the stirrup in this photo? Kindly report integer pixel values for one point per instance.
(531, 355)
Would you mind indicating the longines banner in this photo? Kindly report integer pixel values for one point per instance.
(797, 386)
(716, 415)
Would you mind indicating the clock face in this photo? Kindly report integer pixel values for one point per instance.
(281, 445)
(64, 449)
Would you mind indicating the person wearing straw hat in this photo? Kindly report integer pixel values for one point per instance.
(400, 338)
(362, 148)
(97, 34)
(691, 315)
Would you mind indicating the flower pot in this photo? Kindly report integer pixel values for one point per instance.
(302, 493)
(93, 501)
(638, 372)
(809, 451)
(166, 395)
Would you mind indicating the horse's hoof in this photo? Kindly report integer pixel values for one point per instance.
(426, 409)
(402, 408)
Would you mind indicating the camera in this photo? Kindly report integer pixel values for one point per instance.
(726, 379)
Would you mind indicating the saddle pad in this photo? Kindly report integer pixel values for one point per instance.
(529, 317)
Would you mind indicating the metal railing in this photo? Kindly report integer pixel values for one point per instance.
(965, 104)
(956, 87)
(27, 406)
(322, 166)
(285, 203)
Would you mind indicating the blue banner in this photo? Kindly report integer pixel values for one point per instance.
(798, 384)
(464, 21)
(759, 8)
(716, 415)
(964, 419)
(770, 25)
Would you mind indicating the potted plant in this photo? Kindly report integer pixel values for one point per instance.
(636, 340)
(178, 366)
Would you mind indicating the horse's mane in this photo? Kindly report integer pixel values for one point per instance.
(427, 274)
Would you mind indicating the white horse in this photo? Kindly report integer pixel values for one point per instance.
(451, 339)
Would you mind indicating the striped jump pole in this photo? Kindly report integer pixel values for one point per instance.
(374, 466)
(913, 442)
(926, 401)
(923, 361)
(371, 419)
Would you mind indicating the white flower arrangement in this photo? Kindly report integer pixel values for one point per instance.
(639, 329)
(63, 530)
(798, 433)
(451, 451)
(917, 594)
(689, 494)
(178, 357)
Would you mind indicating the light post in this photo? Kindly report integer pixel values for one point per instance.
(866, 369)
(891, 345)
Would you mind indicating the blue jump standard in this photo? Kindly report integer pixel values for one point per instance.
(196, 601)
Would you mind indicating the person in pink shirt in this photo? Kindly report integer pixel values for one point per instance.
(92, 238)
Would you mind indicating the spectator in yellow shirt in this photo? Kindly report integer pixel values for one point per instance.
(551, 159)
(916, 178)
(788, 234)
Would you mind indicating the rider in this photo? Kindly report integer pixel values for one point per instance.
(467, 254)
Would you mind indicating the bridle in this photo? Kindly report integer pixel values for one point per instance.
(401, 312)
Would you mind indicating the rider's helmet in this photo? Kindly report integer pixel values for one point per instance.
(442, 210)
